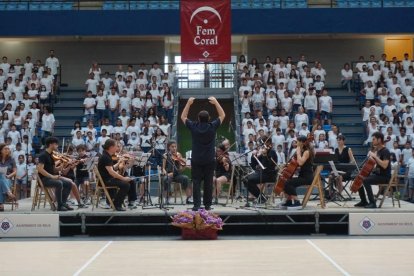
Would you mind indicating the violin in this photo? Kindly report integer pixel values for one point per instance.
(60, 157)
(177, 158)
(289, 170)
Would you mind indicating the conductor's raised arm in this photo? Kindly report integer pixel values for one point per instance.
(219, 109)
(184, 115)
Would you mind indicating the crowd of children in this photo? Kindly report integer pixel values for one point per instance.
(386, 94)
(134, 107)
(284, 100)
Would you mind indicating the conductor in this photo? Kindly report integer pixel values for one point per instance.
(203, 133)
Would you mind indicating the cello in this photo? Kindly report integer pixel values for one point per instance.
(365, 171)
(289, 170)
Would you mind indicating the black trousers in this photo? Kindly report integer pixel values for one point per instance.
(124, 187)
(368, 182)
(293, 183)
(62, 189)
(258, 178)
(205, 173)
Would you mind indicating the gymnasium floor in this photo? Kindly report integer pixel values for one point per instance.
(312, 255)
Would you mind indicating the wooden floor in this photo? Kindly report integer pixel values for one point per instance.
(226, 256)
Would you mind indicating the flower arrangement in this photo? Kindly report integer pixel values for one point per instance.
(197, 220)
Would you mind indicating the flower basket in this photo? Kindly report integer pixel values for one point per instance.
(205, 234)
(199, 225)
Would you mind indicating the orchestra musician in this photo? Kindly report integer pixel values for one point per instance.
(382, 173)
(223, 170)
(49, 173)
(343, 155)
(173, 164)
(203, 134)
(67, 173)
(268, 159)
(304, 157)
(107, 170)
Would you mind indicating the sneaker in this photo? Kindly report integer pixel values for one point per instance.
(189, 200)
(87, 201)
(287, 203)
(71, 201)
(361, 204)
(132, 205)
(195, 208)
(295, 205)
(67, 207)
(105, 206)
(281, 205)
(208, 208)
(82, 206)
(371, 205)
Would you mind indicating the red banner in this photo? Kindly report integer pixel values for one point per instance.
(205, 31)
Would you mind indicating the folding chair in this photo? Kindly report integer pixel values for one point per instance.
(42, 194)
(388, 190)
(316, 183)
(13, 203)
(101, 187)
(177, 188)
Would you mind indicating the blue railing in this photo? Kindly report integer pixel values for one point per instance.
(42, 5)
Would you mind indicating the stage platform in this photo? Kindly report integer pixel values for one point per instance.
(239, 220)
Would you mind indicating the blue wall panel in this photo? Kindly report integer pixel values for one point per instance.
(166, 22)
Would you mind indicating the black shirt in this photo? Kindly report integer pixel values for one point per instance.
(268, 161)
(203, 140)
(306, 170)
(384, 154)
(104, 161)
(80, 173)
(46, 159)
(344, 156)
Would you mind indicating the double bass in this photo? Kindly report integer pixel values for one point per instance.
(289, 170)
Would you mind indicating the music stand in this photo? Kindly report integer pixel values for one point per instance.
(238, 160)
(142, 161)
(336, 195)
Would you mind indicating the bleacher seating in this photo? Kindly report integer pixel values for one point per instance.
(36, 5)
(374, 3)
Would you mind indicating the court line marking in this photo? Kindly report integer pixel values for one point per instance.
(94, 257)
(326, 256)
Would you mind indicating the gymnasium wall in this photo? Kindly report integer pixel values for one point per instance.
(76, 56)
(246, 21)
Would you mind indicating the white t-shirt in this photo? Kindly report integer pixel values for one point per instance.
(125, 103)
(92, 85)
(89, 102)
(53, 64)
(113, 100)
(284, 121)
(247, 132)
(311, 102)
(137, 103)
(108, 128)
(78, 141)
(278, 140)
(15, 137)
(300, 119)
(100, 102)
(101, 141)
(325, 103)
(47, 122)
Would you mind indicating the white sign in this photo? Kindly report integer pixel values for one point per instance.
(381, 224)
(29, 225)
